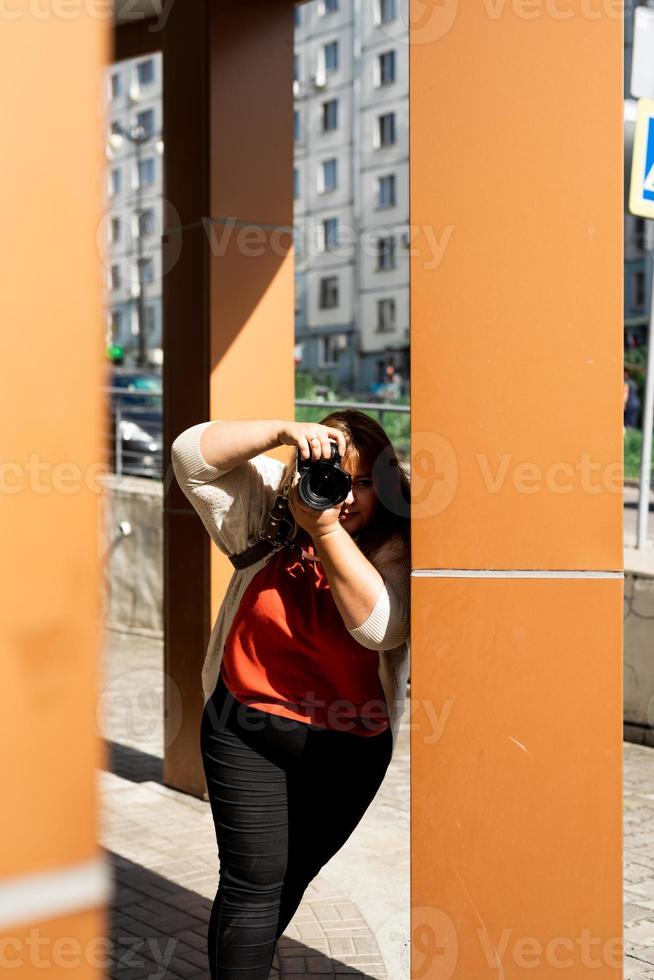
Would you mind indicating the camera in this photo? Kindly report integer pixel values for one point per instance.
(323, 483)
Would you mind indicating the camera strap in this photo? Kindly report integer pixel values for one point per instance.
(272, 536)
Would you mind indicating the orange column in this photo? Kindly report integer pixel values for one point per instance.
(53, 878)
(516, 301)
(228, 291)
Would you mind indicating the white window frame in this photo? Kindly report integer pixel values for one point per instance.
(379, 145)
(377, 69)
(323, 187)
(391, 303)
(323, 236)
(335, 291)
(323, 115)
(377, 13)
(392, 178)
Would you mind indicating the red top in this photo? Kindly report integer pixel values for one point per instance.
(289, 652)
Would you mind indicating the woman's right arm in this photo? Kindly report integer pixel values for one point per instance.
(229, 479)
(228, 443)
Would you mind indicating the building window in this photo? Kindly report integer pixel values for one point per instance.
(385, 68)
(385, 11)
(330, 56)
(329, 234)
(116, 87)
(115, 277)
(115, 183)
(297, 15)
(146, 223)
(150, 321)
(639, 233)
(116, 324)
(386, 129)
(146, 172)
(328, 175)
(146, 269)
(296, 125)
(330, 115)
(385, 315)
(296, 182)
(385, 253)
(386, 191)
(330, 347)
(145, 72)
(328, 7)
(639, 289)
(145, 120)
(328, 297)
(115, 230)
(296, 68)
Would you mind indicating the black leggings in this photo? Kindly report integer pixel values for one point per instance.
(285, 796)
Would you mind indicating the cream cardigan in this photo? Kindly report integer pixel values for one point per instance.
(233, 505)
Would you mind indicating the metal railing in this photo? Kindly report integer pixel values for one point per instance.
(135, 432)
(381, 408)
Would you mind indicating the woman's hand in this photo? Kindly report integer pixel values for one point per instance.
(316, 522)
(312, 439)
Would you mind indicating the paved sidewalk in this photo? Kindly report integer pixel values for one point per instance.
(162, 846)
(354, 919)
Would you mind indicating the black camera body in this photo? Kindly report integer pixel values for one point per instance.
(323, 483)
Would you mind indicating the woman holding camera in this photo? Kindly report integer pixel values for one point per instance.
(305, 675)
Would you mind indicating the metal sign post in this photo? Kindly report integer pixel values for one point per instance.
(641, 202)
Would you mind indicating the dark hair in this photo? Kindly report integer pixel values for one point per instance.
(369, 448)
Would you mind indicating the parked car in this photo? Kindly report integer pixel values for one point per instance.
(136, 418)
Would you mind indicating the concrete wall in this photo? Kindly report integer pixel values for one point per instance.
(638, 658)
(132, 554)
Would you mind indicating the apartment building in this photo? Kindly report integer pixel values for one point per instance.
(351, 187)
(351, 184)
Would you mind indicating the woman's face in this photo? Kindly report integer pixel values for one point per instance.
(358, 508)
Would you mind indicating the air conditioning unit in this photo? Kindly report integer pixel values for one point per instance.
(341, 341)
(319, 78)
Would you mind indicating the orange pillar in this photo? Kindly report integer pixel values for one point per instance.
(228, 292)
(516, 301)
(53, 878)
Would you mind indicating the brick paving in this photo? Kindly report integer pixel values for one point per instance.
(161, 846)
(162, 849)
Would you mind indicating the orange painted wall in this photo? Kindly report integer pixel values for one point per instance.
(516, 351)
(251, 242)
(51, 424)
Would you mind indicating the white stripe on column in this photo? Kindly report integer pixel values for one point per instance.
(508, 573)
(47, 894)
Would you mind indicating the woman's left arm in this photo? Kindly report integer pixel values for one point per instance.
(374, 605)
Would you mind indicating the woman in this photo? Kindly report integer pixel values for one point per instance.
(305, 675)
